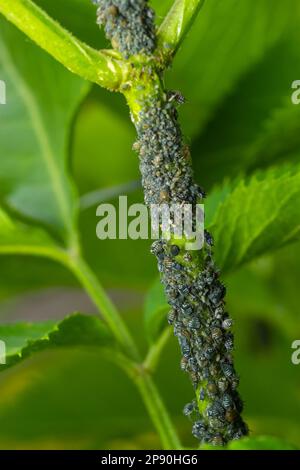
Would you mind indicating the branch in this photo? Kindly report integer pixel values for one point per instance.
(102, 68)
(176, 25)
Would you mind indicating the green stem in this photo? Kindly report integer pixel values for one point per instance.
(154, 353)
(134, 370)
(103, 68)
(176, 25)
(157, 411)
(151, 397)
(89, 281)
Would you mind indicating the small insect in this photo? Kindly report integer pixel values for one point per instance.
(184, 290)
(189, 409)
(214, 369)
(209, 353)
(238, 435)
(194, 324)
(228, 370)
(187, 309)
(200, 192)
(136, 146)
(185, 348)
(222, 384)
(178, 267)
(208, 238)
(112, 10)
(194, 378)
(216, 334)
(187, 257)
(216, 423)
(175, 95)
(205, 373)
(157, 247)
(217, 294)
(217, 440)
(168, 262)
(227, 323)
(211, 388)
(229, 343)
(175, 250)
(234, 382)
(231, 415)
(193, 366)
(184, 364)
(202, 394)
(198, 429)
(215, 410)
(226, 401)
(164, 196)
(172, 317)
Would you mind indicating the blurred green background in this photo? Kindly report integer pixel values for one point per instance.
(235, 70)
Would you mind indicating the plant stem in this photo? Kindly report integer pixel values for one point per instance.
(103, 68)
(89, 281)
(135, 371)
(130, 365)
(152, 400)
(176, 25)
(154, 353)
(157, 412)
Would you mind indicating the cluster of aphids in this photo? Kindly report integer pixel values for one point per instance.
(165, 161)
(191, 281)
(129, 24)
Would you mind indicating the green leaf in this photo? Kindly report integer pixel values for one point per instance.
(257, 125)
(23, 340)
(155, 311)
(260, 443)
(258, 216)
(215, 55)
(104, 138)
(34, 132)
(16, 237)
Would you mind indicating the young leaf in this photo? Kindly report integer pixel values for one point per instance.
(24, 340)
(257, 217)
(155, 312)
(34, 130)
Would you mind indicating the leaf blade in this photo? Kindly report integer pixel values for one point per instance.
(40, 107)
(25, 340)
(259, 215)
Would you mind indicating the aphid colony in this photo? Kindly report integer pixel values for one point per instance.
(128, 24)
(191, 282)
